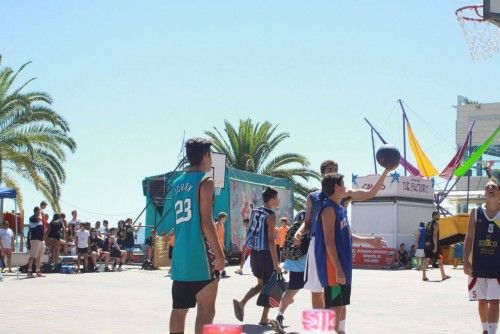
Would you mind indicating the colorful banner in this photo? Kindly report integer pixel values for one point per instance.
(425, 166)
(372, 257)
(447, 173)
(471, 160)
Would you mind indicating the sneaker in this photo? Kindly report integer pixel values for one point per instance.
(239, 271)
(106, 269)
(120, 268)
(277, 324)
(30, 274)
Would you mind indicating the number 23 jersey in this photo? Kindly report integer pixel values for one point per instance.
(192, 257)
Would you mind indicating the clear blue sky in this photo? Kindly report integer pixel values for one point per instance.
(131, 76)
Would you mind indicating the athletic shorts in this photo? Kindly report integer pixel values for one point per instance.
(311, 278)
(337, 295)
(37, 248)
(262, 265)
(115, 252)
(82, 251)
(429, 253)
(296, 281)
(184, 293)
(484, 288)
(420, 253)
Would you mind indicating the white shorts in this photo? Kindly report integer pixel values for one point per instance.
(311, 278)
(419, 253)
(484, 288)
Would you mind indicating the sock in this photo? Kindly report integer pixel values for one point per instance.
(485, 326)
(492, 327)
(342, 326)
(278, 313)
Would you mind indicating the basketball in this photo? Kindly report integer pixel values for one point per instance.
(388, 156)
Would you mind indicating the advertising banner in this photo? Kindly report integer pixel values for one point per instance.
(372, 257)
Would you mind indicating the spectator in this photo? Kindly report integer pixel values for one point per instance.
(98, 227)
(45, 217)
(282, 230)
(402, 256)
(121, 234)
(82, 247)
(7, 240)
(36, 232)
(220, 229)
(420, 242)
(96, 246)
(129, 238)
(411, 256)
(104, 229)
(150, 246)
(53, 238)
(75, 220)
(111, 246)
(70, 239)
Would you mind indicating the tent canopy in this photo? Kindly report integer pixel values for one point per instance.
(7, 193)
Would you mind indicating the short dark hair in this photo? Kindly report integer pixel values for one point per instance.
(104, 222)
(435, 213)
(62, 215)
(196, 148)
(56, 216)
(402, 244)
(36, 209)
(268, 194)
(113, 229)
(93, 230)
(43, 203)
(329, 181)
(422, 224)
(222, 214)
(327, 163)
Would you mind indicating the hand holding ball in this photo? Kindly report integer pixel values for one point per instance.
(388, 156)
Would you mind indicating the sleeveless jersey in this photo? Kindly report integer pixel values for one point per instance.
(191, 257)
(257, 229)
(343, 243)
(421, 238)
(317, 199)
(429, 234)
(486, 248)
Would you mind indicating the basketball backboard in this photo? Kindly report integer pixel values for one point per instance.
(492, 11)
(218, 169)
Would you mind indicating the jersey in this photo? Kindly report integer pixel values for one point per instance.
(317, 199)
(429, 234)
(485, 249)
(257, 233)
(192, 257)
(343, 243)
(421, 238)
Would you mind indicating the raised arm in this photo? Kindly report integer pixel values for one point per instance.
(328, 217)
(469, 239)
(207, 225)
(365, 194)
(375, 242)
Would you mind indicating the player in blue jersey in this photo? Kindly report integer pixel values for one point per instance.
(197, 256)
(264, 258)
(482, 257)
(313, 206)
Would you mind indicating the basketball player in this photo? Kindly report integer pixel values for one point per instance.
(264, 258)
(197, 255)
(313, 206)
(432, 247)
(482, 257)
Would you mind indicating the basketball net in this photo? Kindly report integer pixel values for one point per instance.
(482, 36)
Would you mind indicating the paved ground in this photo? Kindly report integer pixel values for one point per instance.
(138, 301)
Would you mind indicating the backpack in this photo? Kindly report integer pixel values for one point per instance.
(291, 251)
(148, 265)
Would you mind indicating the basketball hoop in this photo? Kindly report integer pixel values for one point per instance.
(482, 36)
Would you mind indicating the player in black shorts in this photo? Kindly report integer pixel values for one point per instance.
(264, 258)
(432, 248)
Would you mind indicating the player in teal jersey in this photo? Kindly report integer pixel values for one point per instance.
(197, 256)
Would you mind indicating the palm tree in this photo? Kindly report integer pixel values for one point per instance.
(33, 139)
(250, 149)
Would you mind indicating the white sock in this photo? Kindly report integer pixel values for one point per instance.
(485, 326)
(342, 326)
(278, 313)
(492, 328)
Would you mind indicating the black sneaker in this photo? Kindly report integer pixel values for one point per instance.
(277, 324)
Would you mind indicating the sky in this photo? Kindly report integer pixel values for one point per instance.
(132, 77)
